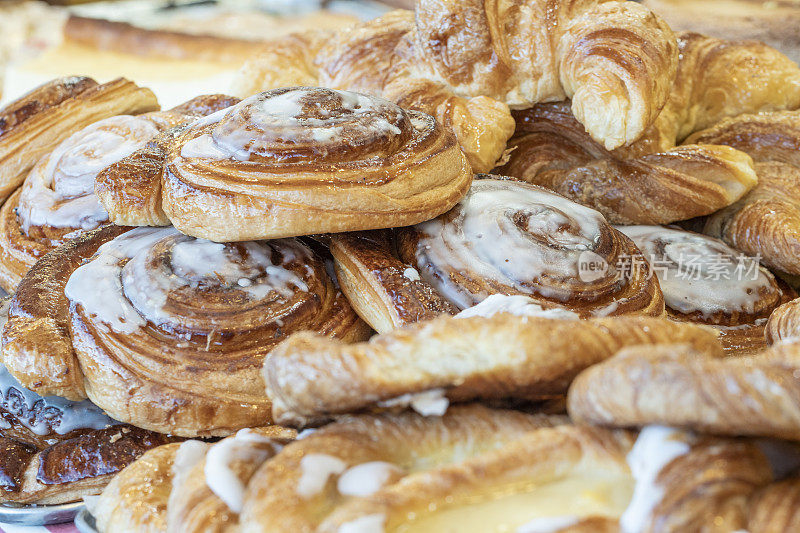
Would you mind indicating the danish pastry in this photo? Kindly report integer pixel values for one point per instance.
(165, 331)
(426, 364)
(57, 199)
(681, 386)
(32, 126)
(705, 281)
(449, 61)
(505, 237)
(301, 161)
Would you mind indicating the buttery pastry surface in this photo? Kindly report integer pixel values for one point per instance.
(504, 237)
(301, 161)
(165, 331)
(504, 356)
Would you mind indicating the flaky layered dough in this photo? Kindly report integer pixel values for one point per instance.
(784, 323)
(654, 181)
(705, 281)
(467, 62)
(495, 470)
(775, 507)
(181, 483)
(165, 331)
(765, 222)
(686, 387)
(57, 200)
(504, 237)
(303, 161)
(31, 126)
(500, 357)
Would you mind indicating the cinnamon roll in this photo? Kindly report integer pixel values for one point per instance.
(32, 126)
(677, 385)
(428, 364)
(705, 281)
(57, 200)
(504, 237)
(165, 331)
(301, 161)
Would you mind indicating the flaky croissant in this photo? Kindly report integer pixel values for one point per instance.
(467, 62)
(500, 357)
(653, 181)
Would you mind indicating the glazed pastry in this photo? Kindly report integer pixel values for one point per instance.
(32, 126)
(653, 181)
(257, 169)
(765, 222)
(504, 237)
(768, 21)
(784, 323)
(425, 365)
(57, 200)
(191, 487)
(775, 507)
(693, 388)
(477, 470)
(705, 281)
(551, 149)
(449, 61)
(165, 331)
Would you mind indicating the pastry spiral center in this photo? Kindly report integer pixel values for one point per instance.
(300, 125)
(60, 190)
(702, 274)
(514, 235)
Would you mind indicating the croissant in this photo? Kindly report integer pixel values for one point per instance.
(784, 323)
(57, 200)
(165, 331)
(766, 221)
(257, 169)
(504, 237)
(191, 487)
(774, 507)
(31, 126)
(653, 181)
(693, 388)
(426, 364)
(705, 281)
(451, 61)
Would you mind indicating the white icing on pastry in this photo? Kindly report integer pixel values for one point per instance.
(655, 448)
(247, 446)
(411, 274)
(427, 403)
(306, 433)
(366, 478)
(189, 454)
(548, 524)
(291, 118)
(516, 305)
(698, 273)
(371, 523)
(518, 235)
(59, 191)
(315, 470)
(120, 287)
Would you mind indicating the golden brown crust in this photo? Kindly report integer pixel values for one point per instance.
(33, 125)
(125, 38)
(502, 357)
(784, 323)
(684, 387)
(303, 161)
(214, 335)
(775, 507)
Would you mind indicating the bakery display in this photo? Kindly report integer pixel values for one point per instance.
(260, 168)
(705, 281)
(361, 330)
(466, 63)
(504, 237)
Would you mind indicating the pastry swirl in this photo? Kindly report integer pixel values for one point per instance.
(57, 200)
(784, 323)
(500, 357)
(704, 280)
(257, 169)
(165, 331)
(504, 237)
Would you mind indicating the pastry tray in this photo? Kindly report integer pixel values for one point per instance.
(39, 515)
